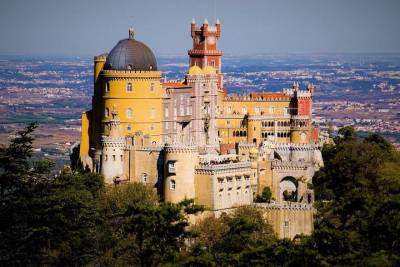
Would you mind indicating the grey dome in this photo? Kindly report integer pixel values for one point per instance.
(130, 54)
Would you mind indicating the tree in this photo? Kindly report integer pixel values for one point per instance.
(44, 220)
(222, 240)
(357, 196)
(265, 196)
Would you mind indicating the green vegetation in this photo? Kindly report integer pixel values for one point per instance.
(265, 196)
(73, 219)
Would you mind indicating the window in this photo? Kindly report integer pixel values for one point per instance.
(172, 185)
(122, 158)
(107, 87)
(257, 110)
(129, 113)
(114, 158)
(152, 87)
(107, 112)
(271, 110)
(228, 110)
(244, 110)
(129, 127)
(286, 223)
(145, 178)
(152, 113)
(129, 87)
(172, 167)
(166, 112)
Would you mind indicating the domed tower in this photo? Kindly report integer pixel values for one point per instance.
(113, 145)
(128, 80)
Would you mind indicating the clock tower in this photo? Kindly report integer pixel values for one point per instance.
(205, 47)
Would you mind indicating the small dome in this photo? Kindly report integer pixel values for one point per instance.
(130, 54)
(195, 70)
(253, 150)
(208, 70)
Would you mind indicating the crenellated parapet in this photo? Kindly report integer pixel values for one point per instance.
(108, 141)
(296, 147)
(254, 97)
(181, 148)
(212, 169)
(285, 206)
(290, 165)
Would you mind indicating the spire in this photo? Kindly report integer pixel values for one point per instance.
(205, 21)
(218, 22)
(131, 32)
(193, 21)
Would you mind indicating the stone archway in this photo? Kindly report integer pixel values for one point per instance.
(288, 189)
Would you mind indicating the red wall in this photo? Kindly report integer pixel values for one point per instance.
(304, 107)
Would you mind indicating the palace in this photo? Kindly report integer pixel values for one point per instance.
(191, 139)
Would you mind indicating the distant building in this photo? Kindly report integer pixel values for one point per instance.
(191, 139)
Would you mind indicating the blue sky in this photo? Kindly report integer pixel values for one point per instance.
(90, 27)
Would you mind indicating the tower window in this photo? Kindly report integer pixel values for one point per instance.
(172, 185)
(129, 127)
(122, 158)
(107, 87)
(152, 87)
(114, 158)
(129, 113)
(107, 112)
(244, 110)
(166, 112)
(145, 178)
(129, 87)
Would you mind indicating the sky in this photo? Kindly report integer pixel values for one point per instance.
(91, 27)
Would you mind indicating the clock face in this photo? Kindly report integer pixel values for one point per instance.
(211, 40)
(303, 136)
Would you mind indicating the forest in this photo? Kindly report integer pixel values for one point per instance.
(71, 218)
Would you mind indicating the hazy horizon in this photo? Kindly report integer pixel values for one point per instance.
(87, 28)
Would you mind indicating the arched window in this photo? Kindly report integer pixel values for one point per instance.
(152, 113)
(172, 185)
(129, 113)
(107, 87)
(244, 133)
(152, 87)
(107, 112)
(244, 110)
(122, 157)
(129, 127)
(129, 87)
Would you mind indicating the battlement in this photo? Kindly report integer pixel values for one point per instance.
(290, 165)
(215, 168)
(285, 206)
(180, 148)
(258, 97)
(296, 147)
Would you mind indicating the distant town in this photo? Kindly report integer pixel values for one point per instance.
(358, 90)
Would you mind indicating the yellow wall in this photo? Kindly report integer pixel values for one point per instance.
(145, 101)
(84, 145)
